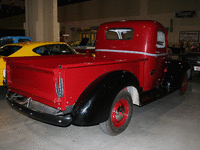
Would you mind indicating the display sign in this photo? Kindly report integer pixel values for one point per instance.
(189, 36)
(186, 14)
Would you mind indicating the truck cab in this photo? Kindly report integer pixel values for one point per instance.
(136, 39)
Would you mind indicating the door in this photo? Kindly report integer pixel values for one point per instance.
(160, 65)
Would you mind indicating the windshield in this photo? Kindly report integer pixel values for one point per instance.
(6, 41)
(54, 49)
(8, 50)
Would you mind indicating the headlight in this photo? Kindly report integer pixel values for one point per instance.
(4, 73)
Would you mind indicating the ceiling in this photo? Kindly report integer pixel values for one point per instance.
(68, 2)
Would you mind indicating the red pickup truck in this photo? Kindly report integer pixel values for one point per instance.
(131, 66)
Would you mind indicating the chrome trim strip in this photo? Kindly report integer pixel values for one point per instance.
(130, 52)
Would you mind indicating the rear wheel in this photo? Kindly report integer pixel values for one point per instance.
(120, 114)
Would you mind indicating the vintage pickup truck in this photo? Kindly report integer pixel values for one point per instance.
(131, 66)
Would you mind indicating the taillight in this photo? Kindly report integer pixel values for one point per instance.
(4, 73)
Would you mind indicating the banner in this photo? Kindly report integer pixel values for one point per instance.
(189, 36)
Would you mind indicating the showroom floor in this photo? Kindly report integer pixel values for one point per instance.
(171, 123)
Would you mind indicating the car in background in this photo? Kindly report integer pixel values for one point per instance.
(86, 48)
(31, 49)
(14, 39)
(193, 58)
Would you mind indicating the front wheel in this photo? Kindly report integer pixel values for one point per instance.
(120, 114)
(184, 85)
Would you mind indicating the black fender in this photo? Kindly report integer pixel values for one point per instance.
(175, 73)
(94, 104)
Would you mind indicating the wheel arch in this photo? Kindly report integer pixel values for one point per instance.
(94, 104)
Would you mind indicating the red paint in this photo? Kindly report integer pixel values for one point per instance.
(121, 109)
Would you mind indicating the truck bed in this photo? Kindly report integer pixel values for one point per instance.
(37, 77)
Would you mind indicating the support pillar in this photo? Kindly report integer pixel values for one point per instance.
(143, 9)
(42, 20)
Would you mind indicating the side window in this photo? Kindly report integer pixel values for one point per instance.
(160, 39)
(9, 50)
(54, 49)
(41, 50)
(119, 34)
(24, 40)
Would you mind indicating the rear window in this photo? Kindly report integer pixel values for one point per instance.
(119, 34)
(54, 49)
(24, 40)
(6, 41)
(8, 50)
(160, 39)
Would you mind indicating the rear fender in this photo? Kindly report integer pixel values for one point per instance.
(94, 104)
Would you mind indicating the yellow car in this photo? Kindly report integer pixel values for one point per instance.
(31, 49)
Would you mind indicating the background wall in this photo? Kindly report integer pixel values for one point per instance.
(14, 22)
(95, 12)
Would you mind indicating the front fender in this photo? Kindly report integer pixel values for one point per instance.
(94, 104)
(175, 73)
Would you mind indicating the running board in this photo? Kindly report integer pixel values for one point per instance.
(154, 94)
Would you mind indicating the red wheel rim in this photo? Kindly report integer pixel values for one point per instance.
(120, 113)
(184, 84)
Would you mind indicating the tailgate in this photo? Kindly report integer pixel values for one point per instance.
(35, 82)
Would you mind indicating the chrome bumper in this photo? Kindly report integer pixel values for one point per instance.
(44, 117)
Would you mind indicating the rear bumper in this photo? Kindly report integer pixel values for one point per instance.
(48, 118)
